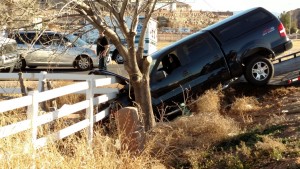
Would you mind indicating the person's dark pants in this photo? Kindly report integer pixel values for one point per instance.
(102, 63)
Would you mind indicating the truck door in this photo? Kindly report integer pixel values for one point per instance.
(202, 65)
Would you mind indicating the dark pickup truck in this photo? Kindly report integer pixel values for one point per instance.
(243, 44)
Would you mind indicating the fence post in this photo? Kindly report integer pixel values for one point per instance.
(32, 113)
(89, 110)
(41, 81)
(23, 88)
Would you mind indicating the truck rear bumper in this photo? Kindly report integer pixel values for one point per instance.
(283, 47)
(288, 45)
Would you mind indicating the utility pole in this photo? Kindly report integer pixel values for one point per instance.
(290, 26)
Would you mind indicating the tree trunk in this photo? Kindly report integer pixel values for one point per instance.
(140, 81)
(143, 99)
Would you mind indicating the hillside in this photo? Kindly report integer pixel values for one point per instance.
(194, 20)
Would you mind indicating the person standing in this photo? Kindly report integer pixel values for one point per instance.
(102, 50)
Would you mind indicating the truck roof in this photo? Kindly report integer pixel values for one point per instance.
(237, 15)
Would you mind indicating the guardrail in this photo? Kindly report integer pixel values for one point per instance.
(283, 58)
(87, 84)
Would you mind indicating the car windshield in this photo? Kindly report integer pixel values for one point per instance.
(8, 48)
(76, 40)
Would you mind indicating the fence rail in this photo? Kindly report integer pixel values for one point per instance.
(87, 84)
(171, 37)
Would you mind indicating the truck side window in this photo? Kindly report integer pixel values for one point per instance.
(232, 31)
(205, 55)
(170, 62)
(166, 66)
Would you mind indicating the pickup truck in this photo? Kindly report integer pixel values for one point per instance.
(242, 44)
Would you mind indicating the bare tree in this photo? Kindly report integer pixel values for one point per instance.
(96, 12)
(137, 65)
(18, 13)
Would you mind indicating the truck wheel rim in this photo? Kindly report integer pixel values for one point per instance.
(260, 71)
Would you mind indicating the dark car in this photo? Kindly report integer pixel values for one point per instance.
(242, 44)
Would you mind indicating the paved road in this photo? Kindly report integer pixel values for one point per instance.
(116, 68)
(286, 70)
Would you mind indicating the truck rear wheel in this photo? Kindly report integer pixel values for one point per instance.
(259, 71)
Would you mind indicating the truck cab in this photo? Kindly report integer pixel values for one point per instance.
(194, 63)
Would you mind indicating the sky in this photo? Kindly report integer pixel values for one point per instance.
(275, 6)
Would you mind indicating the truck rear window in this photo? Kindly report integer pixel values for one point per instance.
(243, 25)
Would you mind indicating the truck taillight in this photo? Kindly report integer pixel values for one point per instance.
(281, 30)
(293, 80)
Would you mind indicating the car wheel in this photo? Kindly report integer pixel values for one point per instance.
(259, 71)
(20, 64)
(118, 58)
(83, 63)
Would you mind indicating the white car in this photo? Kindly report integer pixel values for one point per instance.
(8, 53)
(54, 49)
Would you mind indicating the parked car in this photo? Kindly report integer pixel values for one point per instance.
(150, 40)
(93, 45)
(242, 44)
(55, 49)
(8, 53)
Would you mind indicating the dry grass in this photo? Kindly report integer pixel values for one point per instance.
(72, 152)
(243, 108)
(184, 141)
(187, 142)
(209, 102)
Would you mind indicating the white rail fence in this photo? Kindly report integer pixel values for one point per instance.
(86, 84)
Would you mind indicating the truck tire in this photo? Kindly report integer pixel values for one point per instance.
(259, 71)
